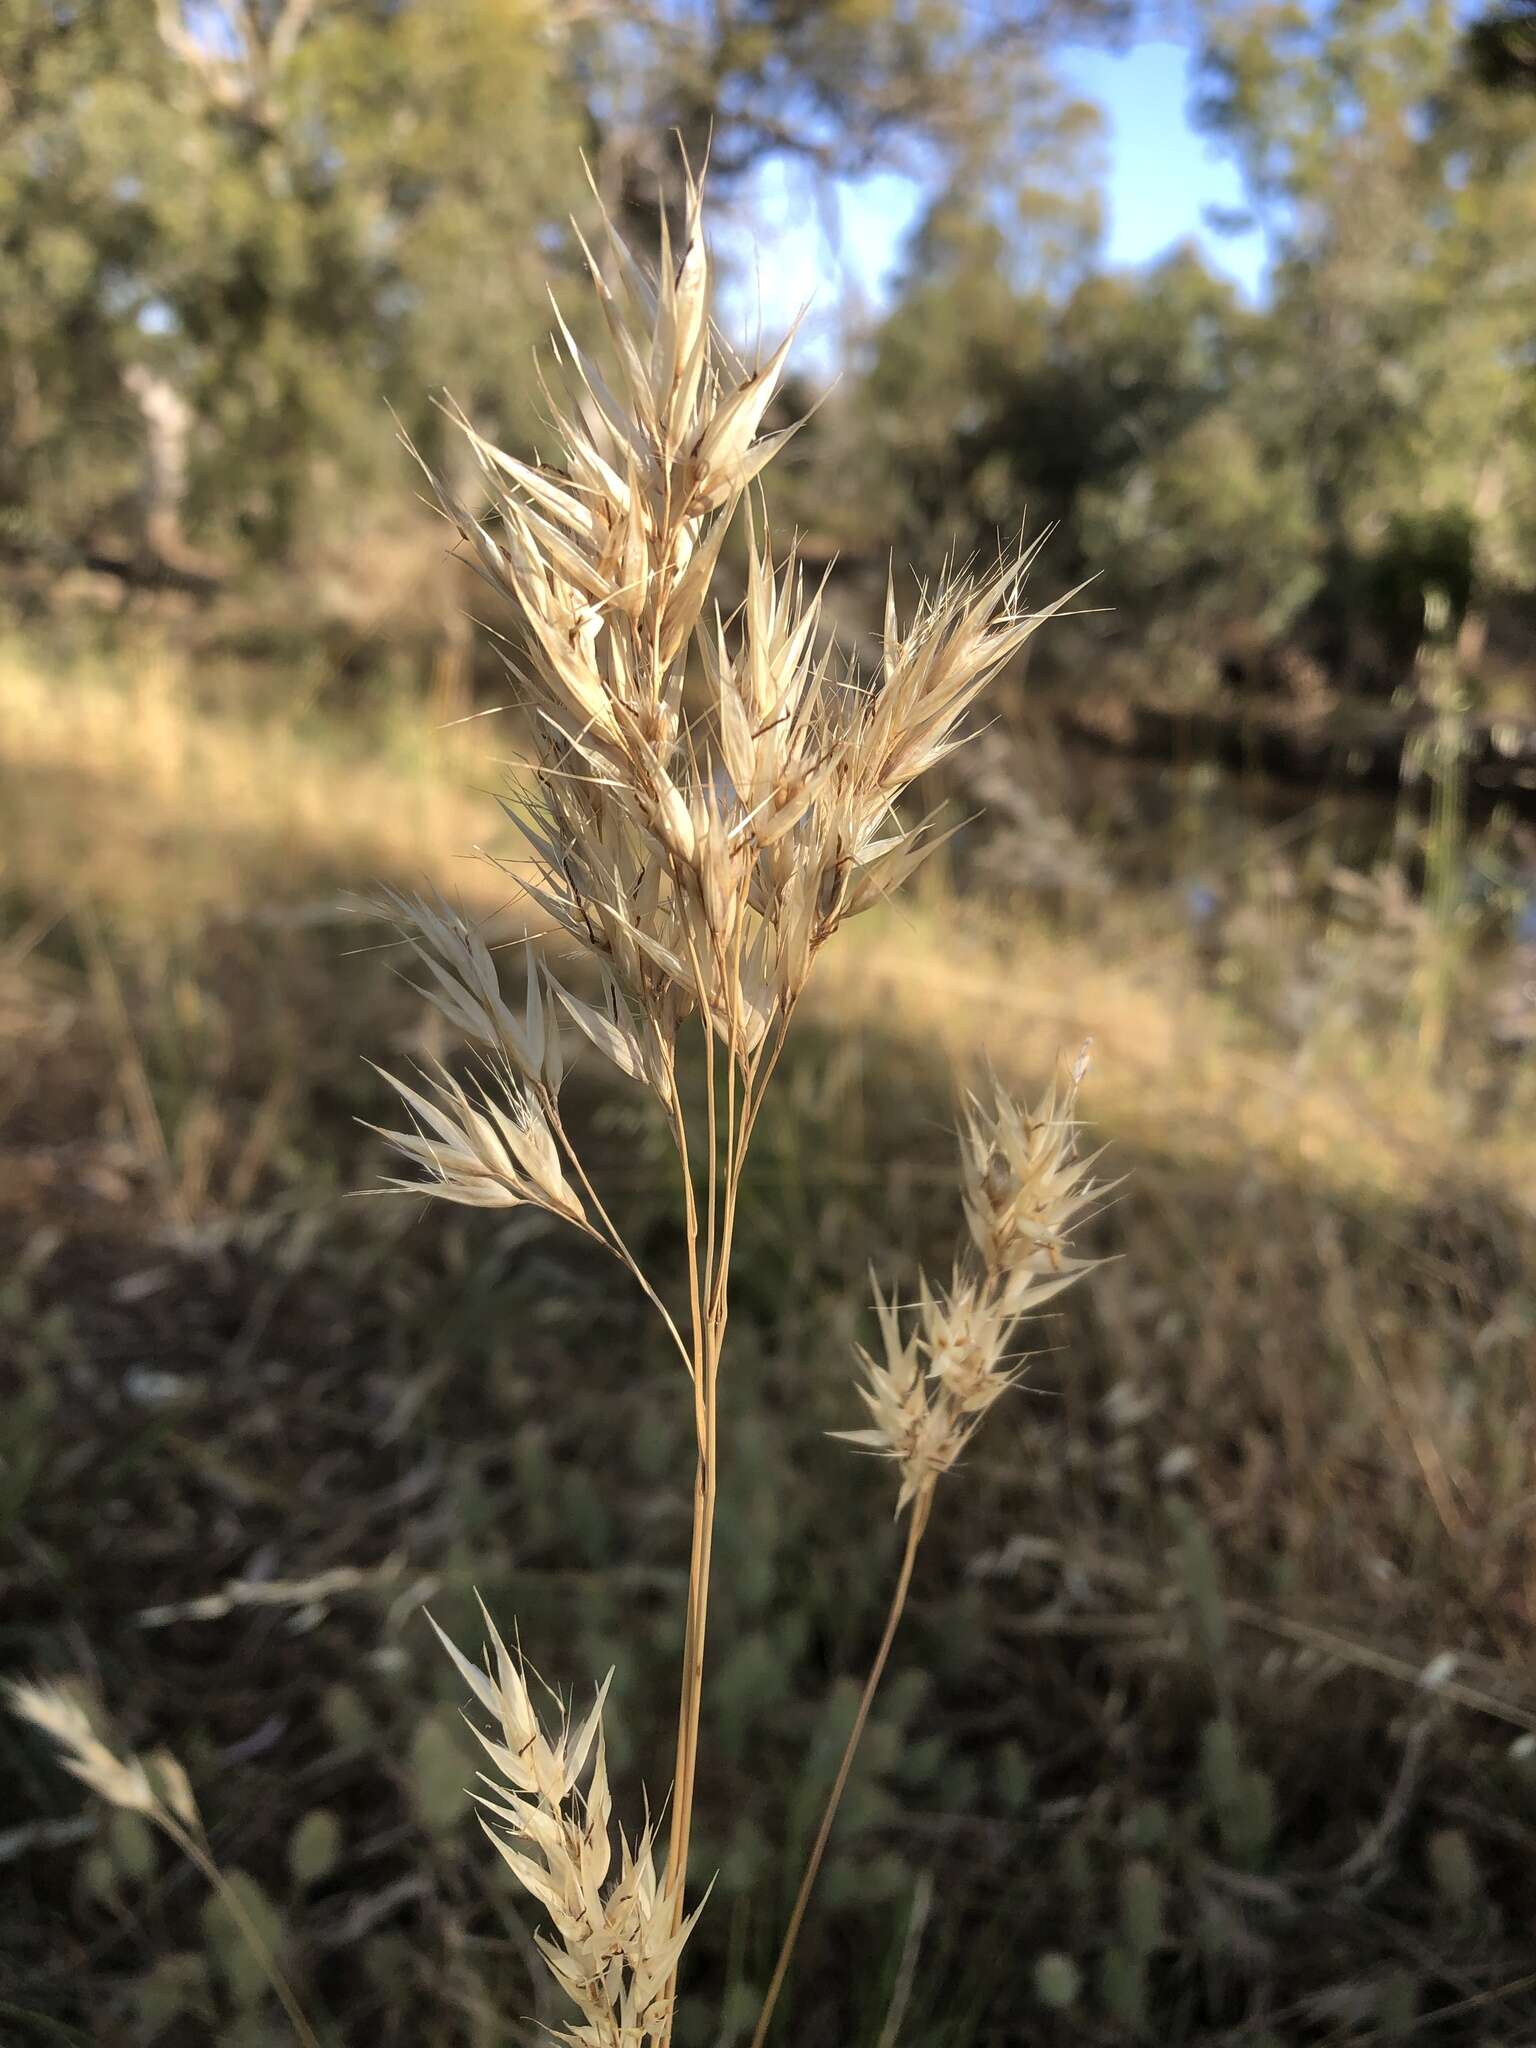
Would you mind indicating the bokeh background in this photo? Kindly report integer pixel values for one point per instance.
(1215, 1717)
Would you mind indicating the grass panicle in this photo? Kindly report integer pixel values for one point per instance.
(949, 1358)
(694, 850)
(710, 793)
(157, 1788)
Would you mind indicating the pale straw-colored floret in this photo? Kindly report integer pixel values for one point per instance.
(608, 556)
(61, 1713)
(907, 1424)
(1023, 1184)
(549, 1811)
(1024, 1188)
(155, 1786)
(158, 1788)
(466, 988)
(964, 1336)
(492, 1150)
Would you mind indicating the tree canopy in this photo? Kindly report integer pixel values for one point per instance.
(1310, 464)
(233, 231)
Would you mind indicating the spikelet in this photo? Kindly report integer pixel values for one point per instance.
(908, 1425)
(549, 1811)
(607, 557)
(492, 1150)
(1023, 1188)
(695, 866)
(466, 988)
(156, 1786)
(61, 1713)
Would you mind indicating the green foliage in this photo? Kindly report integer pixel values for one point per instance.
(131, 1845)
(1147, 1826)
(1058, 1981)
(346, 1718)
(1123, 1987)
(1454, 1871)
(231, 1917)
(1301, 469)
(232, 235)
(440, 1771)
(99, 1875)
(314, 1848)
(1501, 47)
(1402, 203)
(1014, 1776)
(175, 1987)
(1241, 1800)
(1202, 1583)
(272, 242)
(1143, 1896)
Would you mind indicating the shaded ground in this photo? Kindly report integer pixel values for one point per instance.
(1158, 1728)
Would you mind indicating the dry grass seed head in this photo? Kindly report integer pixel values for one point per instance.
(491, 1150)
(699, 866)
(155, 1786)
(1023, 1188)
(549, 1813)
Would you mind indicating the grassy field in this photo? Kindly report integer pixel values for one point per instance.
(1215, 1718)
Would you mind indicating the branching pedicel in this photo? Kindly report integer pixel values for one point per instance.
(699, 863)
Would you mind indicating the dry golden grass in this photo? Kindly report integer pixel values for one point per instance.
(696, 857)
(124, 789)
(1326, 1409)
(1309, 1346)
(698, 861)
(1175, 1070)
(128, 784)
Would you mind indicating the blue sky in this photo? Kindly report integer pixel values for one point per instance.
(1162, 173)
(1161, 176)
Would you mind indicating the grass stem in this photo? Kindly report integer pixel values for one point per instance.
(250, 1933)
(916, 1525)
